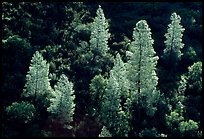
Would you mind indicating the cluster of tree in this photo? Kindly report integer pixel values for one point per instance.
(75, 71)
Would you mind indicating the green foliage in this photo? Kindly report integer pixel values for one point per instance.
(22, 112)
(173, 42)
(97, 90)
(114, 108)
(174, 119)
(105, 132)
(188, 128)
(195, 76)
(99, 34)
(119, 72)
(125, 99)
(62, 103)
(16, 53)
(37, 85)
(148, 133)
(142, 68)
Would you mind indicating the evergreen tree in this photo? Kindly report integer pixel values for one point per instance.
(105, 132)
(99, 34)
(93, 59)
(194, 93)
(195, 76)
(172, 52)
(99, 43)
(97, 90)
(172, 56)
(142, 75)
(142, 68)
(62, 104)
(37, 85)
(114, 112)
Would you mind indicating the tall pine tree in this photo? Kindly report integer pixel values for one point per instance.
(170, 77)
(142, 67)
(99, 34)
(99, 43)
(114, 112)
(93, 59)
(62, 103)
(37, 85)
(172, 52)
(142, 73)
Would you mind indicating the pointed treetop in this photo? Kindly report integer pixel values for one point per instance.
(142, 24)
(174, 16)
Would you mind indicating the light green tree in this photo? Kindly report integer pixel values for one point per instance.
(105, 132)
(172, 52)
(188, 128)
(142, 68)
(114, 112)
(62, 103)
(99, 33)
(195, 76)
(37, 85)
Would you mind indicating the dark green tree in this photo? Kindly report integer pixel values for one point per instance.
(21, 117)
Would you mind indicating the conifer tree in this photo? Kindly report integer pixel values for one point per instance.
(114, 113)
(172, 55)
(99, 33)
(172, 52)
(99, 43)
(97, 90)
(142, 76)
(37, 85)
(62, 103)
(105, 132)
(93, 58)
(142, 68)
(195, 76)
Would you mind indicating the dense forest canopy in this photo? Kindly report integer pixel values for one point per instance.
(101, 69)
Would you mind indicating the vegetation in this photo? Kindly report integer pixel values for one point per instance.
(75, 69)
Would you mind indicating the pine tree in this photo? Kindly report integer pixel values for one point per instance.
(172, 55)
(105, 132)
(99, 43)
(93, 59)
(172, 52)
(119, 71)
(37, 85)
(99, 34)
(142, 68)
(114, 113)
(195, 76)
(97, 90)
(142, 76)
(62, 104)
